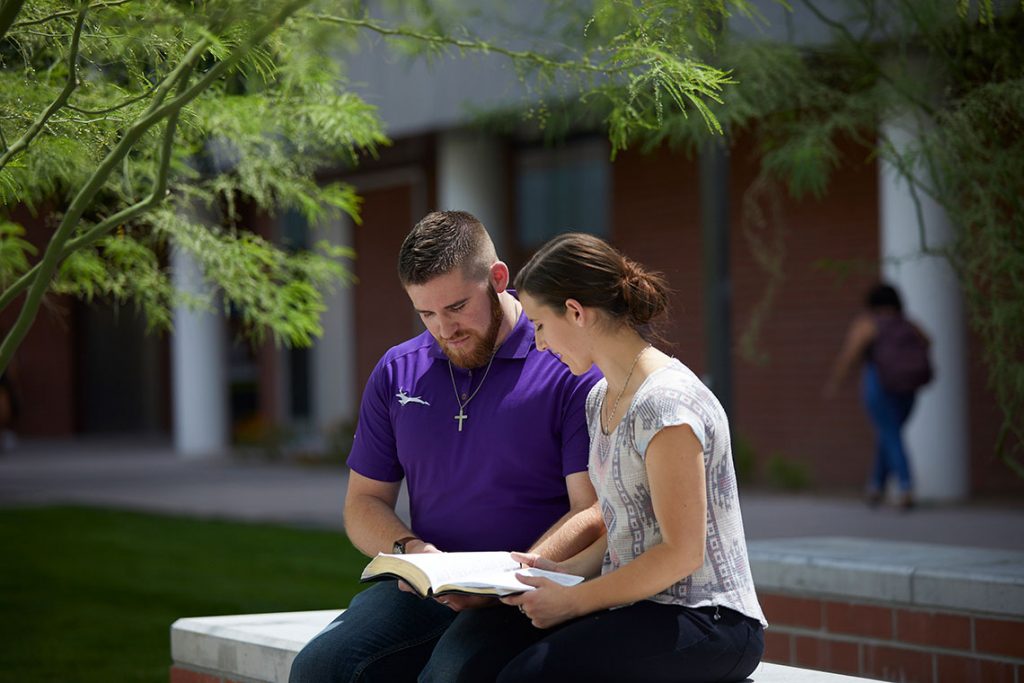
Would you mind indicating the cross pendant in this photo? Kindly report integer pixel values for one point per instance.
(461, 417)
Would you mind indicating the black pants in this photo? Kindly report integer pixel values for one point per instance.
(645, 641)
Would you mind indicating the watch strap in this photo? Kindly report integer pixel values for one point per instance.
(398, 547)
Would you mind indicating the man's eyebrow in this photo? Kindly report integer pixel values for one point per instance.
(458, 303)
(448, 307)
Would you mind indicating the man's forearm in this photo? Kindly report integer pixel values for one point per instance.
(372, 525)
(571, 534)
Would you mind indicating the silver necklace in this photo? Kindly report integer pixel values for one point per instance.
(462, 417)
(615, 406)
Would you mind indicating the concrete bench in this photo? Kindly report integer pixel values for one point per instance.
(259, 648)
(860, 607)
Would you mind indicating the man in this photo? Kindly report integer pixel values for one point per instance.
(492, 442)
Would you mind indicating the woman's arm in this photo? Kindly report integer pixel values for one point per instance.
(860, 335)
(675, 469)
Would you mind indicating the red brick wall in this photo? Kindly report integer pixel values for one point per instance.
(180, 674)
(384, 316)
(892, 644)
(807, 322)
(656, 220)
(778, 407)
(43, 368)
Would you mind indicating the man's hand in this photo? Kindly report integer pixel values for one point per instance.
(417, 545)
(538, 562)
(457, 603)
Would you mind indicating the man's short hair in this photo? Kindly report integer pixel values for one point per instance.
(443, 241)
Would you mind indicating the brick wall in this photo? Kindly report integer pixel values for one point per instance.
(778, 409)
(44, 366)
(384, 317)
(892, 643)
(180, 674)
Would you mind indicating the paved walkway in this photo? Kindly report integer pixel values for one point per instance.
(148, 476)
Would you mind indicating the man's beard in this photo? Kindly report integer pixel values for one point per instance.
(479, 353)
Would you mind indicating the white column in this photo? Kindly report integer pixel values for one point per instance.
(937, 434)
(471, 177)
(199, 370)
(334, 355)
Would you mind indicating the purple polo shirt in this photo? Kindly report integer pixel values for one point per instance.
(500, 482)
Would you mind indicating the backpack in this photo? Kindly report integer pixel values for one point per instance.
(900, 353)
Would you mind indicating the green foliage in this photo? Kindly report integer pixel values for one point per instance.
(978, 157)
(128, 115)
(14, 251)
(787, 474)
(88, 583)
(744, 460)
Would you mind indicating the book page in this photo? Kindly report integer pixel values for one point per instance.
(506, 583)
(443, 568)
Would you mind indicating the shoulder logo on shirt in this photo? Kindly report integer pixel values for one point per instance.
(404, 398)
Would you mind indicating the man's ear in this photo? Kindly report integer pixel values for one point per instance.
(576, 313)
(499, 276)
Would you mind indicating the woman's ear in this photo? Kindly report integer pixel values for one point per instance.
(575, 312)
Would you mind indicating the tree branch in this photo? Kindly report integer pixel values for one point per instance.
(462, 44)
(8, 13)
(108, 110)
(51, 258)
(98, 231)
(67, 13)
(869, 62)
(22, 143)
(184, 68)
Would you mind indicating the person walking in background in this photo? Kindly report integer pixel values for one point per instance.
(894, 354)
(671, 596)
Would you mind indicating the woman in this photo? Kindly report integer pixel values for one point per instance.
(894, 352)
(671, 598)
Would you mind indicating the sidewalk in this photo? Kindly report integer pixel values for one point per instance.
(148, 476)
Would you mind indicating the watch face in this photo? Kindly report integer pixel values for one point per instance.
(398, 548)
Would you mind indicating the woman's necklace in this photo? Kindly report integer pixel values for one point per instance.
(615, 406)
(462, 417)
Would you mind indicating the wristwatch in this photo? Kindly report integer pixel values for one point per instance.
(398, 547)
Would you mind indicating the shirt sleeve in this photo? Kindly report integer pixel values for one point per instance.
(575, 436)
(374, 451)
(665, 405)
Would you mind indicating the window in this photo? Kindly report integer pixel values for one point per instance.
(561, 189)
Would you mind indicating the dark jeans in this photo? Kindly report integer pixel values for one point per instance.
(888, 413)
(645, 641)
(388, 635)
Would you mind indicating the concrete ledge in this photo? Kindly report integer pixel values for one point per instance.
(256, 647)
(261, 647)
(911, 574)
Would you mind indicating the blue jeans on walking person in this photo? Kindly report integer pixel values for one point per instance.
(888, 413)
(390, 635)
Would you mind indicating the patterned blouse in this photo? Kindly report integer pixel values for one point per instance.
(672, 395)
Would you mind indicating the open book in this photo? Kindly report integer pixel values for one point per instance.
(484, 573)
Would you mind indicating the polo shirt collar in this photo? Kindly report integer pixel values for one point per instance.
(516, 345)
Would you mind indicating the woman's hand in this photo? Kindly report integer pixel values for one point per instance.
(549, 605)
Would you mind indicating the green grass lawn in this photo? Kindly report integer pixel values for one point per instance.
(89, 594)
